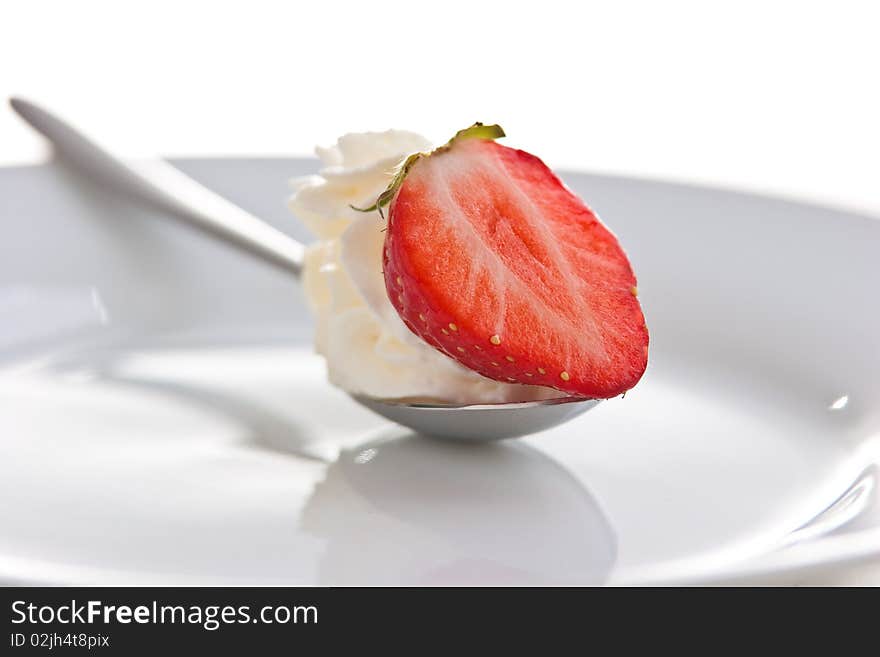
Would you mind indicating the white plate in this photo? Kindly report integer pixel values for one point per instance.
(162, 418)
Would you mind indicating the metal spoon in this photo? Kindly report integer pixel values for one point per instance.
(162, 187)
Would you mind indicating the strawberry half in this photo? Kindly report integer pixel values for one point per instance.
(489, 258)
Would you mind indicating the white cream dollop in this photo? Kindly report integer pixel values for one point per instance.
(368, 349)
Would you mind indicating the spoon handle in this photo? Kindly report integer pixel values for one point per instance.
(167, 189)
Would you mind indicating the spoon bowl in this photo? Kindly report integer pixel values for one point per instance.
(479, 422)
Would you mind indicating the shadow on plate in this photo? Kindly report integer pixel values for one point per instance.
(266, 429)
(413, 510)
(408, 510)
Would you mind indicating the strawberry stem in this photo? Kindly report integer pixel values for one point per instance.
(476, 131)
(479, 131)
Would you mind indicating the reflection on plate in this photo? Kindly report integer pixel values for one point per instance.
(475, 514)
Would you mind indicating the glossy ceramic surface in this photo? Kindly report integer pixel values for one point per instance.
(163, 420)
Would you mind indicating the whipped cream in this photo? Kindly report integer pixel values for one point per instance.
(368, 349)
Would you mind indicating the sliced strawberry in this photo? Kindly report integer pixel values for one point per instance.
(489, 258)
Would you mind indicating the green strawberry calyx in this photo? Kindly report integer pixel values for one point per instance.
(476, 131)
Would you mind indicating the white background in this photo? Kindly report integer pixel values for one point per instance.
(774, 96)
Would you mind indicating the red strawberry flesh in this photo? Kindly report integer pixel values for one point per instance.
(491, 259)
